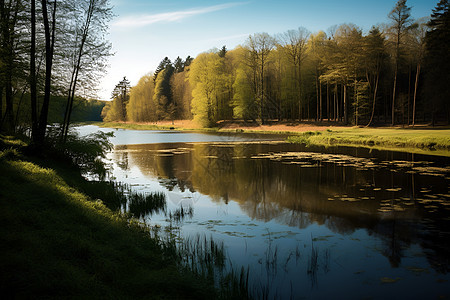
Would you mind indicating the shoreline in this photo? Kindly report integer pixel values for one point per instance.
(420, 139)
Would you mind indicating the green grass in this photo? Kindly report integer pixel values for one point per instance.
(135, 126)
(56, 242)
(426, 141)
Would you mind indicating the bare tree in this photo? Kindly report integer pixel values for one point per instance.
(375, 56)
(88, 42)
(401, 20)
(294, 42)
(260, 45)
(417, 36)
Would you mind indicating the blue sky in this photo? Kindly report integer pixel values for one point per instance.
(145, 31)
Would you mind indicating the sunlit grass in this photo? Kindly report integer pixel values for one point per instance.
(56, 241)
(138, 126)
(426, 141)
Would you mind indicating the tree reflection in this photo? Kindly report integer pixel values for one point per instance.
(344, 197)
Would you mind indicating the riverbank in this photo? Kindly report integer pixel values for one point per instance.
(57, 242)
(419, 139)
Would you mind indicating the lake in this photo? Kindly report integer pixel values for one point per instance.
(307, 222)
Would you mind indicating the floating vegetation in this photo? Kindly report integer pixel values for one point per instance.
(279, 234)
(349, 199)
(417, 270)
(394, 189)
(238, 234)
(389, 280)
(314, 159)
(322, 238)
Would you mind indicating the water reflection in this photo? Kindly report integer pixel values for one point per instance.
(401, 201)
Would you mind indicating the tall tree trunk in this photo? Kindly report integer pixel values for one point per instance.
(73, 83)
(393, 99)
(336, 107)
(299, 90)
(318, 99)
(328, 102)
(415, 94)
(49, 47)
(33, 92)
(355, 99)
(374, 99)
(345, 105)
(8, 26)
(262, 89)
(409, 94)
(2, 23)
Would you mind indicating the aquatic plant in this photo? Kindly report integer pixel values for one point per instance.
(180, 214)
(141, 205)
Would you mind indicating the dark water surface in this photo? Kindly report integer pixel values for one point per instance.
(309, 222)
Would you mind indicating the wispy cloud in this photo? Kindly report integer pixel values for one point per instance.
(230, 37)
(143, 20)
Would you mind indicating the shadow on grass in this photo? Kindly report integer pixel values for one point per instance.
(55, 242)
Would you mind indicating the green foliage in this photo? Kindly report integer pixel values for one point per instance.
(87, 153)
(437, 58)
(343, 75)
(208, 79)
(163, 93)
(243, 95)
(141, 108)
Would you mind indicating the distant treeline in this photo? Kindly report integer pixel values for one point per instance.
(83, 110)
(396, 73)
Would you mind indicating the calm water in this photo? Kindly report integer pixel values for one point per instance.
(308, 222)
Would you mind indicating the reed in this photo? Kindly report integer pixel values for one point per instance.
(143, 205)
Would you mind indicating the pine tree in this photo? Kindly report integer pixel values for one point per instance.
(437, 59)
(162, 65)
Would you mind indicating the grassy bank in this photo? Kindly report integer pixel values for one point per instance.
(425, 141)
(415, 140)
(56, 242)
(146, 126)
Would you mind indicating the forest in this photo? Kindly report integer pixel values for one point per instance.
(52, 57)
(395, 74)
